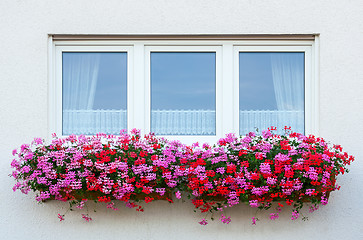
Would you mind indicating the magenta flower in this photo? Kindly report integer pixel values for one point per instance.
(225, 220)
(86, 217)
(295, 215)
(274, 216)
(178, 195)
(61, 217)
(203, 222)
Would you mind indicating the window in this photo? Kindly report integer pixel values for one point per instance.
(183, 93)
(94, 92)
(191, 90)
(275, 87)
(271, 90)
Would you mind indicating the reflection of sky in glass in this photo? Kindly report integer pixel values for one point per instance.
(256, 87)
(111, 85)
(94, 92)
(271, 90)
(183, 80)
(111, 81)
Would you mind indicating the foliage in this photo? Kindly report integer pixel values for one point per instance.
(254, 169)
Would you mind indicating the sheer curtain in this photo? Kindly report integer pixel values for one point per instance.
(80, 73)
(85, 110)
(274, 84)
(183, 122)
(288, 80)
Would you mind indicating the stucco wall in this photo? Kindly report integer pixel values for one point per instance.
(25, 25)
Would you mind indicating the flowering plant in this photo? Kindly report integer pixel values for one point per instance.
(255, 169)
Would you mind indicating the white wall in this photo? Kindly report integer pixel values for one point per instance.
(25, 25)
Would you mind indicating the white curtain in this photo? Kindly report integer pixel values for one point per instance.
(80, 73)
(94, 121)
(288, 81)
(183, 122)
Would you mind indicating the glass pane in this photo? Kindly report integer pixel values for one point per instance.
(94, 93)
(271, 91)
(183, 93)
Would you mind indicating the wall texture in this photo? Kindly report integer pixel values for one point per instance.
(25, 25)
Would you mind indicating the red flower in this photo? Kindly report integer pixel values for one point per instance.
(210, 173)
(148, 199)
(231, 168)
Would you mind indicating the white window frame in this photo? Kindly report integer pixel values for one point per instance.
(227, 77)
(56, 112)
(219, 111)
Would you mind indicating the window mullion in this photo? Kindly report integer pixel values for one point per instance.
(138, 90)
(227, 100)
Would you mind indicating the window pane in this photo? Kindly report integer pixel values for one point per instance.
(94, 92)
(183, 93)
(271, 91)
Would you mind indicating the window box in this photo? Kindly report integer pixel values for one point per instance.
(256, 169)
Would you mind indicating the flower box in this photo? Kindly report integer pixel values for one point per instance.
(254, 169)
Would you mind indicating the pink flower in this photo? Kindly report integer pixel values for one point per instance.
(254, 203)
(161, 191)
(38, 141)
(324, 201)
(203, 222)
(112, 206)
(15, 174)
(81, 204)
(313, 208)
(254, 220)
(178, 195)
(266, 133)
(86, 217)
(225, 220)
(274, 216)
(294, 215)
(135, 131)
(61, 217)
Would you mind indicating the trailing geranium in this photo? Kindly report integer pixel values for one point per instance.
(290, 169)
